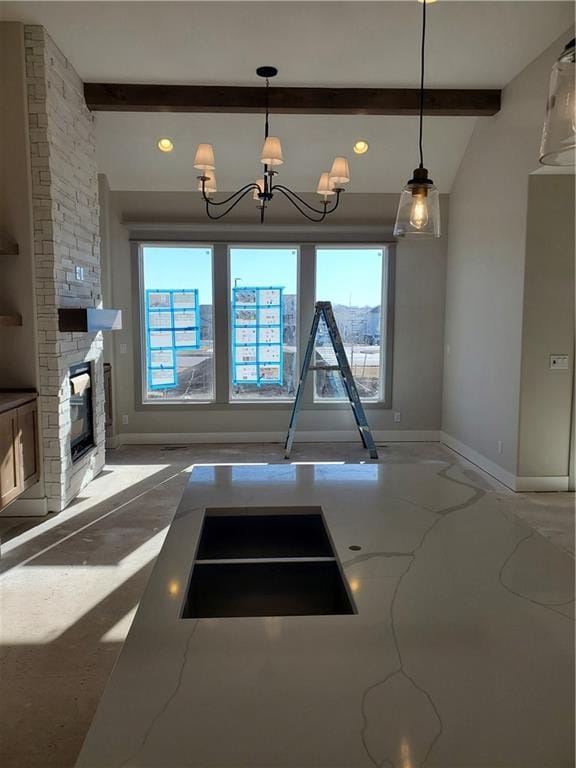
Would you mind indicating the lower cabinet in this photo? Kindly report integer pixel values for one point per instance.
(19, 464)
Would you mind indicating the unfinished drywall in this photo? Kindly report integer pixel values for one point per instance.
(548, 328)
(418, 321)
(485, 274)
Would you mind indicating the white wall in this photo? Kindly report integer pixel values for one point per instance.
(548, 328)
(418, 322)
(485, 272)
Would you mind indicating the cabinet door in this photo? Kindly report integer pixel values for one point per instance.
(10, 474)
(28, 429)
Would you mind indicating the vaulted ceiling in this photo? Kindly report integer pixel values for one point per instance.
(471, 43)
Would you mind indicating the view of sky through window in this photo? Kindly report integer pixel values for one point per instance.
(179, 340)
(351, 278)
(263, 338)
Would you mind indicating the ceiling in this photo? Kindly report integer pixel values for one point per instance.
(469, 44)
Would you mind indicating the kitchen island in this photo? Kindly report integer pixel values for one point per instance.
(450, 652)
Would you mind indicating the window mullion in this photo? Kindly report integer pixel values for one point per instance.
(307, 298)
(221, 323)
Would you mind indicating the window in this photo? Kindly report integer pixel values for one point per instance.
(351, 278)
(178, 359)
(263, 333)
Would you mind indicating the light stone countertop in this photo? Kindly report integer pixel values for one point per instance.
(460, 654)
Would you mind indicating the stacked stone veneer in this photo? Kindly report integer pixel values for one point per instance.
(66, 235)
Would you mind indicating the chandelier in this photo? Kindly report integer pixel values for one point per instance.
(330, 184)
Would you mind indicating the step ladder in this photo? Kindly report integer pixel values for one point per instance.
(323, 309)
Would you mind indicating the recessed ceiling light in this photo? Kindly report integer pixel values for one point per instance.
(165, 145)
(360, 147)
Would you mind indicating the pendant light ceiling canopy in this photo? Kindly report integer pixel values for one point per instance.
(558, 145)
(419, 207)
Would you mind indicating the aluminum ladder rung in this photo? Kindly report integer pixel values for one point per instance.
(323, 309)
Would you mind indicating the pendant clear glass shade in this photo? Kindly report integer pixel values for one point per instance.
(559, 135)
(418, 212)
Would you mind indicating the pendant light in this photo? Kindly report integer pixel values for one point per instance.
(419, 208)
(559, 135)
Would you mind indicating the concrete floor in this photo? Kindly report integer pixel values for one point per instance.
(71, 582)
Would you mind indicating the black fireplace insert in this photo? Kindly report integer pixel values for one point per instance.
(81, 414)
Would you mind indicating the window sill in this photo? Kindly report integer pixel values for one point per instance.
(253, 405)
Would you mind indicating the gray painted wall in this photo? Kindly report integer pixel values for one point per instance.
(548, 328)
(485, 270)
(418, 322)
(18, 359)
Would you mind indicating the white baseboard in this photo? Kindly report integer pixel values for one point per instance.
(26, 508)
(514, 482)
(343, 436)
(553, 483)
(112, 442)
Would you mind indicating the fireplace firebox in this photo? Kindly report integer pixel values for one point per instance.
(81, 415)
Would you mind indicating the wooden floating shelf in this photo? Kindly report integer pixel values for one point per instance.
(10, 321)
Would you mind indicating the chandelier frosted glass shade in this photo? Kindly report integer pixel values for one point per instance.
(272, 152)
(558, 145)
(325, 185)
(340, 173)
(204, 160)
(259, 190)
(419, 208)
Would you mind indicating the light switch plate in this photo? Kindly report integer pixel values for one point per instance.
(558, 362)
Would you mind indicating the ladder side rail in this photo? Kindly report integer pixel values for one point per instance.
(302, 383)
(349, 383)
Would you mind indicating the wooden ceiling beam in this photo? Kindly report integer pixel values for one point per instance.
(444, 102)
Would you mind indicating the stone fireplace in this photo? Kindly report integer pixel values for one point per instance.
(67, 267)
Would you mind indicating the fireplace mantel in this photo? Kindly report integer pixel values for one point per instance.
(89, 319)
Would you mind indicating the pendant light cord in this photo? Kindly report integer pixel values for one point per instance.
(422, 52)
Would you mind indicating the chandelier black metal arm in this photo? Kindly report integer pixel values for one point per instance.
(236, 197)
(297, 201)
(242, 191)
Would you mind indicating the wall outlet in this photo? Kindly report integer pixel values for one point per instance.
(558, 362)
(500, 446)
(79, 273)
(397, 417)
(123, 349)
(124, 419)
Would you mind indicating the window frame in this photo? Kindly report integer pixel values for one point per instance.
(262, 246)
(144, 400)
(306, 248)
